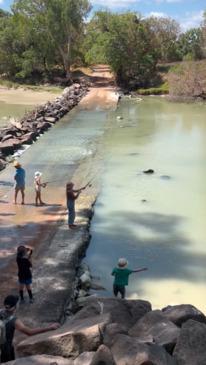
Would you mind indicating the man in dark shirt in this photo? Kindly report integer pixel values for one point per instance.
(20, 181)
(12, 323)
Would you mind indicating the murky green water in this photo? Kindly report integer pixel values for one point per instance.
(8, 111)
(166, 232)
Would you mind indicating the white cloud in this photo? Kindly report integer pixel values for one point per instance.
(191, 20)
(157, 14)
(115, 3)
(1, 1)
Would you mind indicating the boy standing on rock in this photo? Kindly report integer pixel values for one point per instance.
(121, 276)
(20, 181)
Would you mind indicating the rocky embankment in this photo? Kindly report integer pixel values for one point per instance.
(34, 123)
(110, 331)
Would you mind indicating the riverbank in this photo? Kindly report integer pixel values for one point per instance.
(27, 96)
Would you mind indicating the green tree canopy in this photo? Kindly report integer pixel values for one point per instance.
(124, 42)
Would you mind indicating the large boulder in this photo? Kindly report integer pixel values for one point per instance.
(125, 312)
(154, 326)
(85, 358)
(191, 345)
(179, 314)
(111, 330)
(73, 338)
(103, 356)
(128, 350)
(41, 360)
(8, 146)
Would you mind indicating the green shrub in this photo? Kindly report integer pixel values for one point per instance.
(159, 90)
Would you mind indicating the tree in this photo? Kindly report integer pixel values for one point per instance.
(165, 32)
(203, 28)
(124, 42)
(60, 23)
(190, 44)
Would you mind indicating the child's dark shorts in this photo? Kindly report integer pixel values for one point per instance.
(25, 281)
(119, 289)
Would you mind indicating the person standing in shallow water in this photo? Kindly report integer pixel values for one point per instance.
(20, 181)
(121, 277)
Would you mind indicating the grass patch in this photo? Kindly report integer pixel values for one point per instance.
(158, 90)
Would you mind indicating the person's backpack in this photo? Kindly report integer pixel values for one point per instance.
(3, 323)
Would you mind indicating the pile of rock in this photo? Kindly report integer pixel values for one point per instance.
(34, 123)
(112, 331)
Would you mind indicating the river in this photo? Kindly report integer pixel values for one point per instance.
(157, 220)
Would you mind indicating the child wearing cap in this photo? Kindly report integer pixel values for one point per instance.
(121, 276)
(38, 184)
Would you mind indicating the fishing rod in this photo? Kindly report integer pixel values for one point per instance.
(84, 187)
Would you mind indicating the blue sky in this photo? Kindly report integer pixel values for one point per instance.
(187, 12)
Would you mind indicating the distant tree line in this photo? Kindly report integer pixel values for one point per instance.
(41, 38)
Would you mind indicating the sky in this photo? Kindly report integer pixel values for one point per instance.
(187, 12)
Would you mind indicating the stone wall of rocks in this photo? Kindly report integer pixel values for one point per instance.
(111, 331)
(34, 123)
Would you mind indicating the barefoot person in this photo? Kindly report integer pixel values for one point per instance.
(11, 323)
(38, 185)
(20, 181)
(71, 196)
(24, 264)
(121, 276)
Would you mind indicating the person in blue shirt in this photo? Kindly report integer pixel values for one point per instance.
(121, 276)
(20, 181)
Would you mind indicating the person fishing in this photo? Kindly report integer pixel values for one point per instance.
(121, 277)
(20, 181)
(24, 264)
(38, 185)
(9, 323)
(71, 196)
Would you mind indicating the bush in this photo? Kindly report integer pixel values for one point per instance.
(159, 90)
(188, 79)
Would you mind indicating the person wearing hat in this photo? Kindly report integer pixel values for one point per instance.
(71, 196)
(12, 323)
(20, 181)
(38, 184)
(121, 277)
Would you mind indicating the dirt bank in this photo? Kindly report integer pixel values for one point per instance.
(25, 96)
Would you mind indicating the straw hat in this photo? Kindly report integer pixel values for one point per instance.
(17, 164)
(122, 262)
(37, 174)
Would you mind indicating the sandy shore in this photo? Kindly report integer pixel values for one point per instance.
(25, 96)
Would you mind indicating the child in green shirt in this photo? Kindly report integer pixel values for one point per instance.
(121, 276)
